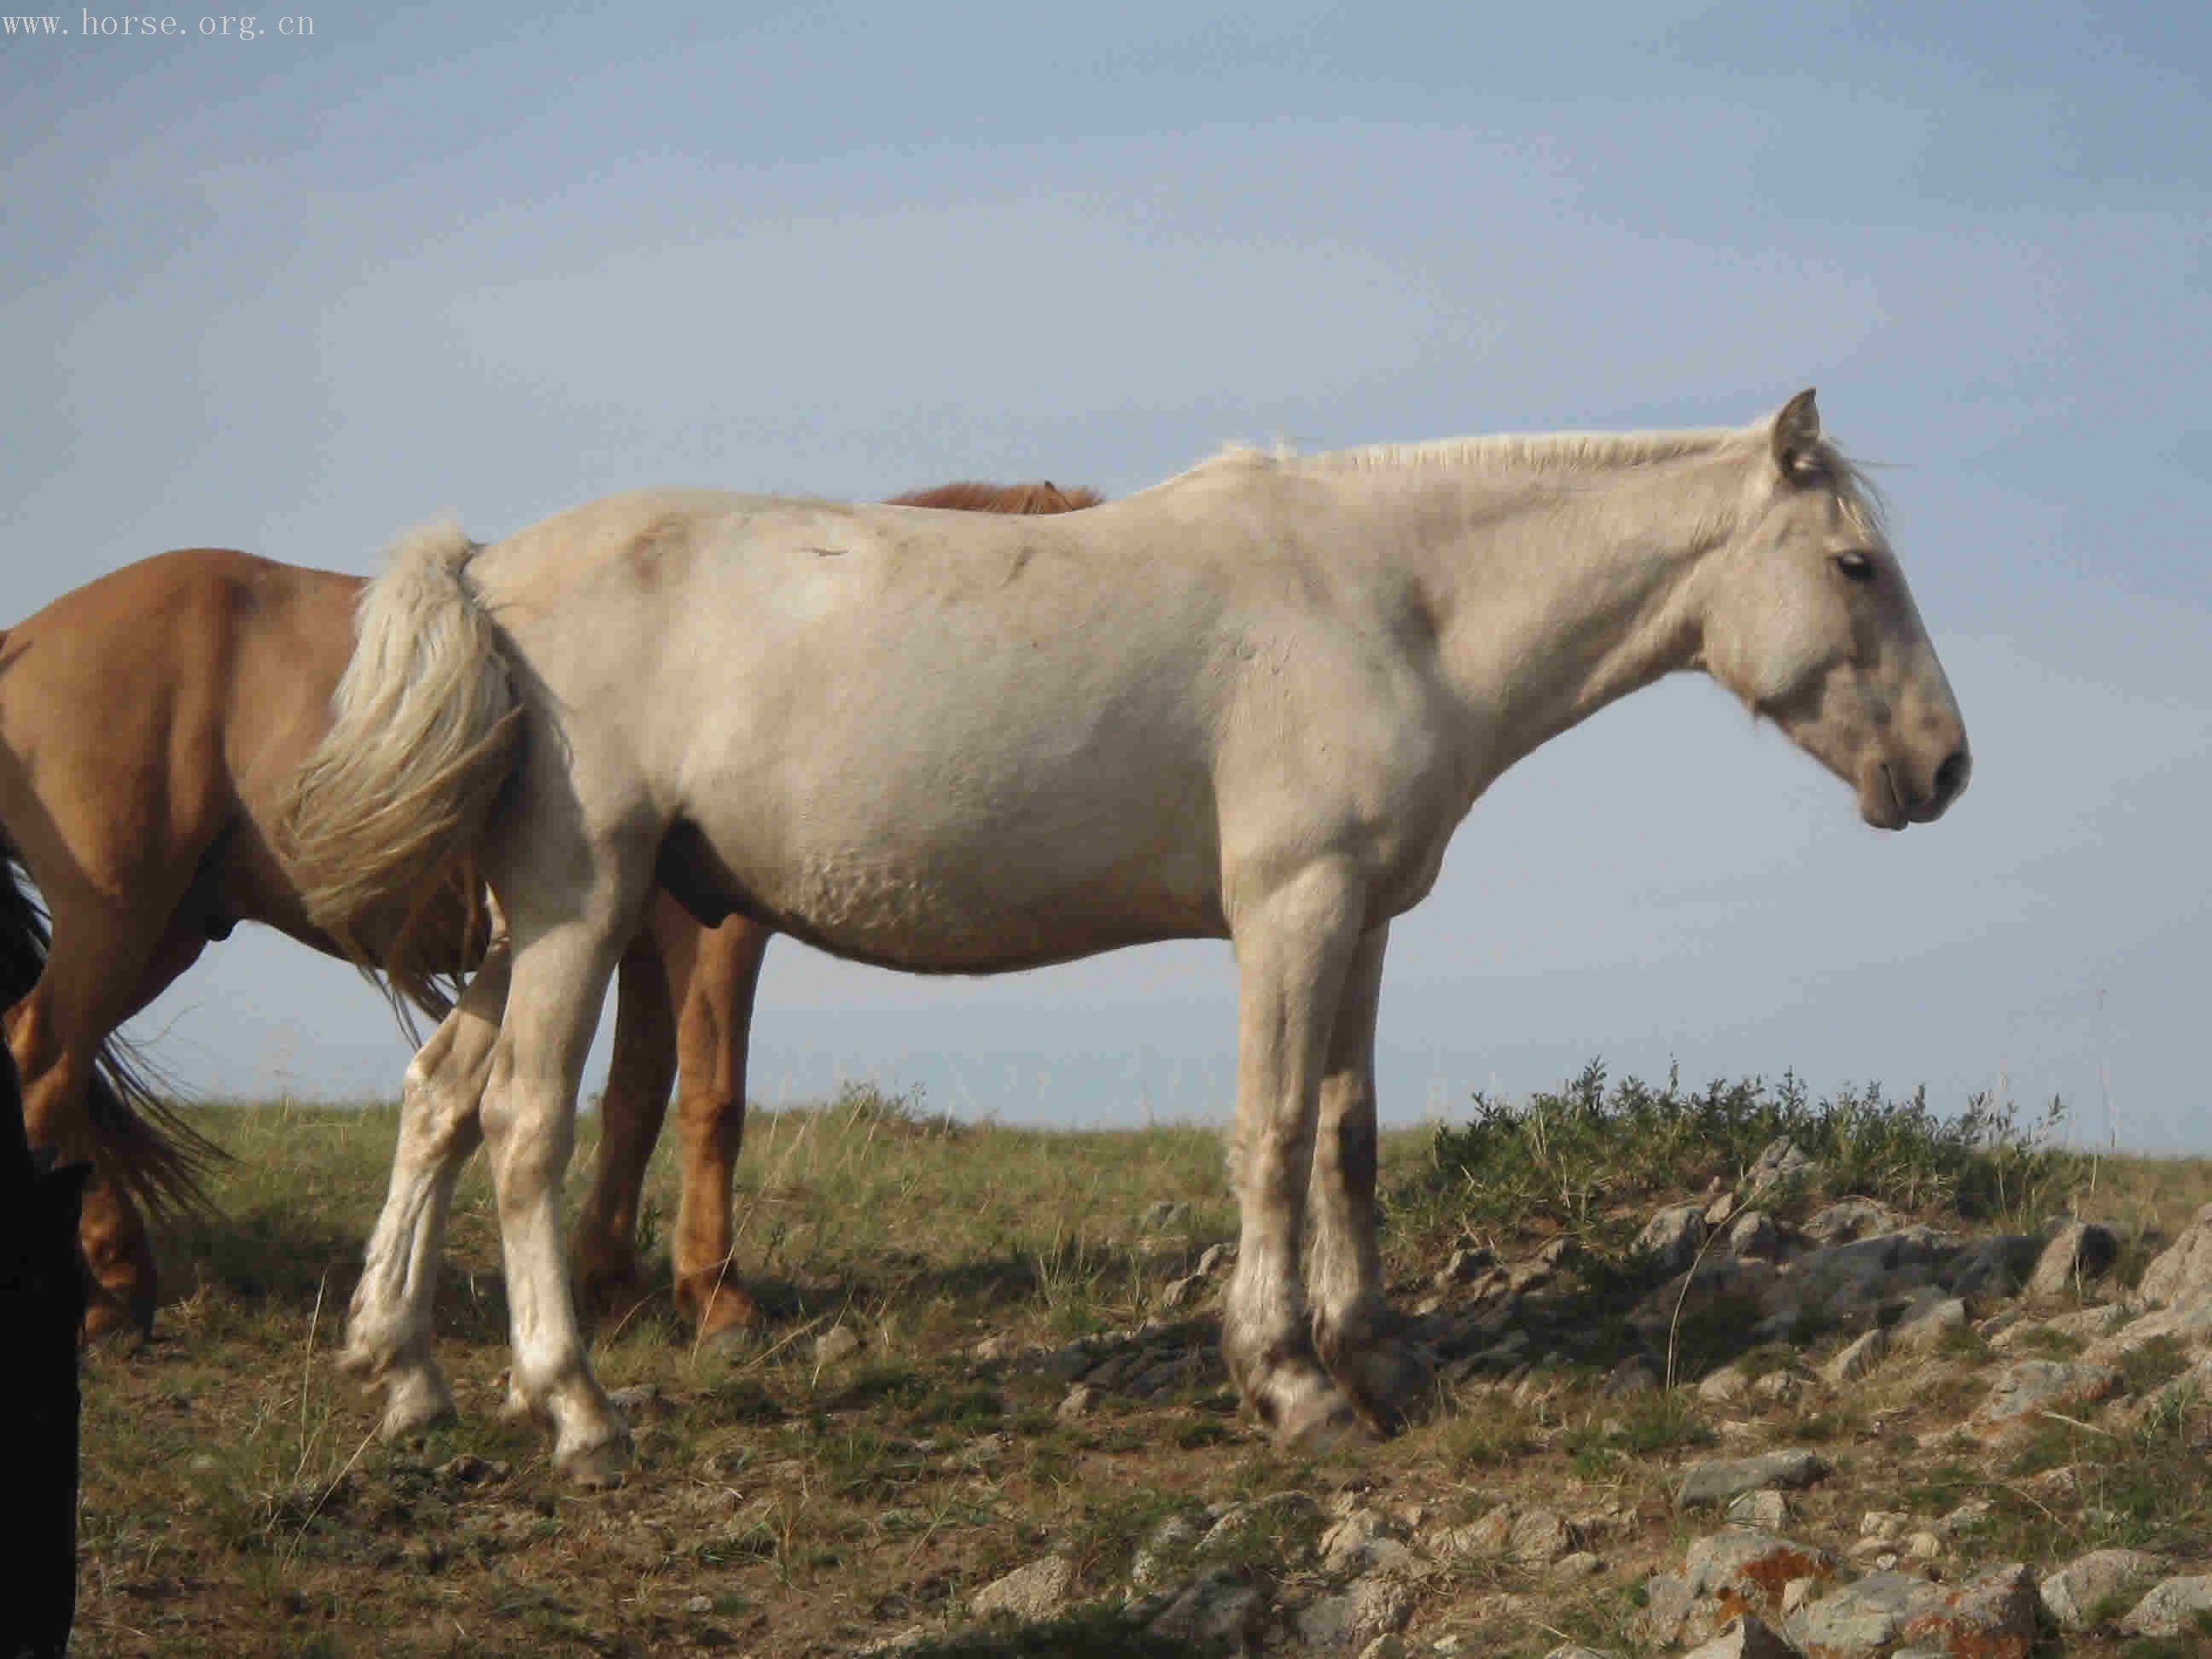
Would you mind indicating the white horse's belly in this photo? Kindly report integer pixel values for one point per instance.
(907, 914)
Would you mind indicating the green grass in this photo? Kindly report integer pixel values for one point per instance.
(235, 1501)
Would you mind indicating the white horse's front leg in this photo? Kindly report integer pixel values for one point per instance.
(1351, 1322)
(1292, 947)
(529, 1121)
(388, 1334)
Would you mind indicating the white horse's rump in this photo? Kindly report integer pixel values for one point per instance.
(1252, 702)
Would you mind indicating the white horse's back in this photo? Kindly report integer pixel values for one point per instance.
(908, 741)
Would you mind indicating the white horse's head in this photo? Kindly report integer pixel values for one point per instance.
(1808, 619)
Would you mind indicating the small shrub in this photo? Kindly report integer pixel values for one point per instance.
(1578, 1157)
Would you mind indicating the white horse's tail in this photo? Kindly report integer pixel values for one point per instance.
(381, 822)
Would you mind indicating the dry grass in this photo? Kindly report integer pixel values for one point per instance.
(235, 1502)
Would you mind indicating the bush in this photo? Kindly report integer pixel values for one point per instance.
(1574, 1157)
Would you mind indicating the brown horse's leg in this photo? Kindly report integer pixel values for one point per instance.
(639, 1075)
(104, 965)
(712, 972)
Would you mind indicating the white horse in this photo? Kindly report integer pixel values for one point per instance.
(1252, 702)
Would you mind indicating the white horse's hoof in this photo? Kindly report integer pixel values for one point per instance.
(414, 1401)
(597, 1465)
(1322, 1420)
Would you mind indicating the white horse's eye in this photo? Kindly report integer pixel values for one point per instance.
(1856, 567)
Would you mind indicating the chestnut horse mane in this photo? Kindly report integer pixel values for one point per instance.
(969, 496)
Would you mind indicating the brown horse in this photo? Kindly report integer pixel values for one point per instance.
(148, 722)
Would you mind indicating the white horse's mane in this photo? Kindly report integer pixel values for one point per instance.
(1559, 452)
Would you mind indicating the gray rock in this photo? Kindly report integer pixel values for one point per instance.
(1671, 1237)
(1779, 1387)
(2173, 1606)
(1180, 1293)
(1744, 1637)
(1856, 1361)
(1235, 1519)
(2073, 1595)
(1992, 1614)
(2082, 1251)
(1967, 1518)
(1217, 1606)
(1780, 1326)
(906, 1641)
(1766, 1508)
(1387, 1647)
(1031, 1593)
(1782, 1164)
(1635, 1374)
(1168, 1213)
(1739, 1569)
(1540, 1537)
(1847, 1219)
(2189, 1323)
(1465, 1266)
(1571, 1651)
(1995, 1266)
(1365, 1540)
(1928, 1322)
(2182, 1272)
(470, 1470)
(1343, 1623)
(1117, 1368)
(2089, 1323)
(1175, 1539)
(1582, 1563)
(1862, 1619)
(1714, 1281)
(1079, 1400)
(1753, 1234)
(835, 1344)
(1218, 1260)
(1483, 1539)
(1725, 1386)
(637, 1404)
(2030, 1386)
(1716, 1482)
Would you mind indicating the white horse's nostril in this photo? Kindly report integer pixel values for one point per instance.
(1950, 780)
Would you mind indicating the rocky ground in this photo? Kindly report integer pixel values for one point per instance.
(1930, 1367)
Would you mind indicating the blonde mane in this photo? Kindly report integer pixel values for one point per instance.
(1546, 452)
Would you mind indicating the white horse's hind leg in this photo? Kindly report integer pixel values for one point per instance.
(1292, 948)
(561, 975)
(388, 1335)
(1351, 1319)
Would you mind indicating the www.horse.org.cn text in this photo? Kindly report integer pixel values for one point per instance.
(112, 25)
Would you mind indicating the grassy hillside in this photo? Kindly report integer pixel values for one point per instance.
(235, 1502)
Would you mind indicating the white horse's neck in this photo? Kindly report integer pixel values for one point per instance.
(1561, 573)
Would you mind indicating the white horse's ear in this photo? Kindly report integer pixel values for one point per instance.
(1796, 437)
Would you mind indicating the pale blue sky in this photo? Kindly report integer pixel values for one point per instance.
(293, 295)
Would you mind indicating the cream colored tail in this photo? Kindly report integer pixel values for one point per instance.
(383, 819)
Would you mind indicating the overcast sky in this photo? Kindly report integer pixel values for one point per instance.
(293, 294)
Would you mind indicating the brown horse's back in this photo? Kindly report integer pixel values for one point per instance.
(152, 714)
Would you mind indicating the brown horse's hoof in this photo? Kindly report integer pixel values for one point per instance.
(609, 1300)
(111, 1320)
(727, 1345)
